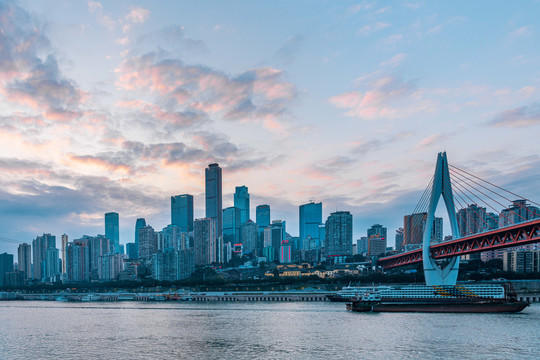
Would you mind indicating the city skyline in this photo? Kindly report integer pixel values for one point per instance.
(347, 105)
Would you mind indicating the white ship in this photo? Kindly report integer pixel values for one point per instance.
(480, 290)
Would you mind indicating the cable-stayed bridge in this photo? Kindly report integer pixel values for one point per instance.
(484, 222)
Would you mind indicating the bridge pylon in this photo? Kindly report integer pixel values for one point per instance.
(434, 274)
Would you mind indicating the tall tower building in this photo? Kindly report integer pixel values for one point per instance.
(338, 240)
(231, 225)
(139, 224)
(471, 220)
(64, 245)
(263, 216)
(205, 240)
(213, 191)
(39, 254)
(182, 212)
(24, 253)
(147, 242)
(310, 220)
(241, 201)
(413, 229)
(77, 261)
(112, 231)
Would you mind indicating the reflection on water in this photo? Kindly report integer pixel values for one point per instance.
(49, 330)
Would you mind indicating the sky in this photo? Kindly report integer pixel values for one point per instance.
(118, 105)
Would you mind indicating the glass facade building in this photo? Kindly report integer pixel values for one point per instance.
(214, 206)
(241, 201)
(112, 231)
(182, 212)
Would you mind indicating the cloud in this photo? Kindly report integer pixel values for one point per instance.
(518, 117)
(137, 15)
(258, 94)
(27, 79)
(383, 91)
(395, 61)
(521, 32)
(370, 28)
(289, 48)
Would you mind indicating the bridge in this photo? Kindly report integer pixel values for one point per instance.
(511, 236)
(474, 229)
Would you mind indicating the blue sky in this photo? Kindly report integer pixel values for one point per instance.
(116, 106)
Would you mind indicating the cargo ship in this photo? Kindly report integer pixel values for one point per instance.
(478, 298)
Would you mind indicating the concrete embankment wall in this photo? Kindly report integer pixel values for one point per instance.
(259, 297)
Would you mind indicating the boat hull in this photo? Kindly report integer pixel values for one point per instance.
(438, 306)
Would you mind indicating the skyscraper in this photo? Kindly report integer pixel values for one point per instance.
(310, 220)
(139, 224)
(249, 235)
(147, 242)
(278, 235)
(263, 216)
(39, 254)
(182, 212)
(214, 207)
(64, 245)
(24, 253)
(338, 240)
(112, 231)
(413, 229)
(241, 201)
(231, 225)
(205, 241)
(77, 261)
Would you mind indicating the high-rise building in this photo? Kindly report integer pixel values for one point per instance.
(147, 242)
(77, 261)
(214, 207)
(231, 225)
(518, 212)
(278, 235)
(6, 266)
(338, 241)
(204, 236)
(376, 245)
(471, 220)
(399, 239)
(110, 266)
(263, 216)
(24, 253)
(182, 212)
(139, 224)
(52, 264)
(310, 216)
(377, 230)
(64, 245)
(98, 246)
(362, 245)
(249, 234)
(39, 254)
(241, 201)
(285, 252)
(112, 231)
(413, 229)
(437, 230)
(131, 251)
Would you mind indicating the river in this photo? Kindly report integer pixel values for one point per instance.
(259, 330)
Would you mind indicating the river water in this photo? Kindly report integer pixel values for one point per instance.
(260, 330)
